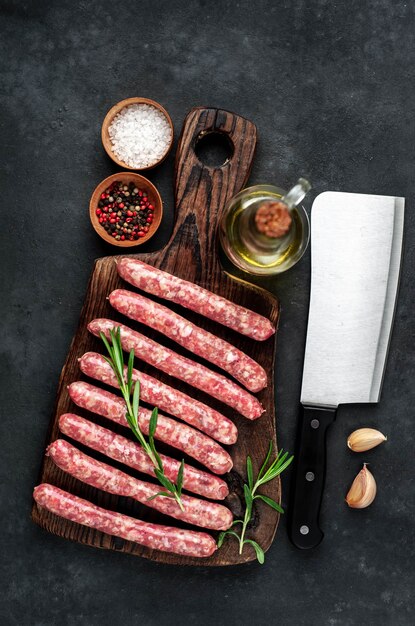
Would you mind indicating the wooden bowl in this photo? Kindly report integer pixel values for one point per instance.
(141, 183)
(106, 142)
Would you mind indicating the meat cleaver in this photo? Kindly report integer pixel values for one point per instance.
(356, 247)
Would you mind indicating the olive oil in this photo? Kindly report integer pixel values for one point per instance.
(254, 252)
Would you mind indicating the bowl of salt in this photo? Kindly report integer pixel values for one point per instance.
(137, 133)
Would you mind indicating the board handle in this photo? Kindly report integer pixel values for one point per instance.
(201, 191)
(309, 477)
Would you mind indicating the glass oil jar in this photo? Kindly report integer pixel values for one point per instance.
(265, 230)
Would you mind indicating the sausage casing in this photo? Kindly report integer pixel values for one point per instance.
(132, 455)
(195, 298)
(195, 339)
(103, 476)
(166, 398)
(154, 536)
(181, 367)
(180, 436)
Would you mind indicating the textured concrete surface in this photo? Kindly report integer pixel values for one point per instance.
(331, 88)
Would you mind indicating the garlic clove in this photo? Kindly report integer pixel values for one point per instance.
(365, 439)
(363, 490)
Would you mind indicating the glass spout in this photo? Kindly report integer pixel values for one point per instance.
(297, 193)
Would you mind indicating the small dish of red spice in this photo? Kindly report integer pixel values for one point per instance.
(126, 209)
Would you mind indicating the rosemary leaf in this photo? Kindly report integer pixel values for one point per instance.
(277, 470)
(163, 494)
(136, 400)
(106, 344)
(250, 472)
(281, 458)
(166, 482)
(153, 423)
(156, 455)
(270, 502)
(151, 432)
(248, 499)
(117, 353)
(259, 551)
(265, 463)
(130, 370)
(223, 534)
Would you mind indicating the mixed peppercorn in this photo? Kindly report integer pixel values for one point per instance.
(125, 211)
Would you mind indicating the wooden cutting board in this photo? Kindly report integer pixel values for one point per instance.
(200, 195)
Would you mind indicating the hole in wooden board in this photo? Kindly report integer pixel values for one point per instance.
(214, 148)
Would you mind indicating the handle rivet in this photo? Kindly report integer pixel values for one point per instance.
(309, 476)
(314, 424)
(304, 530)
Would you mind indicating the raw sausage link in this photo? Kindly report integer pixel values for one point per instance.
(107, 478)
(182, 368)
(132, 454)
(154, 536)
(165, 398)
(195, 339)
(180, 436)
(195, 298)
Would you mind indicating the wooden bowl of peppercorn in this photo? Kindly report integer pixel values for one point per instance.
(125, 209)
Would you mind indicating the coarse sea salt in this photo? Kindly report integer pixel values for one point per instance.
(140, 135)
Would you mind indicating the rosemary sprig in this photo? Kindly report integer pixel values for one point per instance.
(250, 494)
(128, 387)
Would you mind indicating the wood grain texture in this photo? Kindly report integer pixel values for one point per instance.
(200, 194)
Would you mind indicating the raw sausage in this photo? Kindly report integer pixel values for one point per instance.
(132, 454)
(195, 298)
(107, 478)
(180, 436)
(182, 368)
(165, 398)
(195, 339)
(154, 536)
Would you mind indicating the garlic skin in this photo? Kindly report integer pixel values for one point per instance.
(363, 490)
(365, 439)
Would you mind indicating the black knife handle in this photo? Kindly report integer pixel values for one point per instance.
(309, 477)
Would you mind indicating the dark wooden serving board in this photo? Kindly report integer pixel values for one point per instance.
(200, 194)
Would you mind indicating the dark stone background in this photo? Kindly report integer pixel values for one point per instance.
(331, 89)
